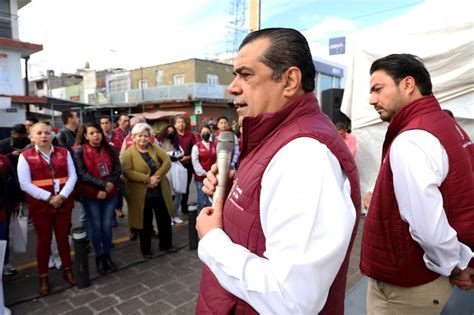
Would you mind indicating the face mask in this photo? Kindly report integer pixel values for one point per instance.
(205, 136)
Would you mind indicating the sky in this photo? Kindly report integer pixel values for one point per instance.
(141, 33)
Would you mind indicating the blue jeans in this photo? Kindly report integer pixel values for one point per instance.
(100, 214)
(176, 204)
(202, 198)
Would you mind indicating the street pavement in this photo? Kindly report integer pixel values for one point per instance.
(166, 284)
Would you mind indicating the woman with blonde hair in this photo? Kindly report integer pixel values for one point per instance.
(47, 175)
(144, 166)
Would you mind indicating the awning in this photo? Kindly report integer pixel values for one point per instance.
(26, 49)
(63, 105)
(47, 102)
(158, 114)
(20, 99)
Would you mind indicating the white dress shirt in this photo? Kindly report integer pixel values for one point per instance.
(419, 165)
(24, 177)
(307, 218)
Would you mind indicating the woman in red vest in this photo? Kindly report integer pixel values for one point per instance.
(47, 176)
(203, 155)
(98, 169)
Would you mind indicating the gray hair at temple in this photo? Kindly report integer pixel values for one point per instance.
(136, 120)
(140, 127)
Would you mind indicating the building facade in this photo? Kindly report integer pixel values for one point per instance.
(12, 89)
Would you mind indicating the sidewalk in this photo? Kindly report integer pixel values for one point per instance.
(166, 284)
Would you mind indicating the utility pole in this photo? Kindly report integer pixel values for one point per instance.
(255, 8)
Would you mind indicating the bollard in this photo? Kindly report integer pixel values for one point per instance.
(193, 236)
(81, 259)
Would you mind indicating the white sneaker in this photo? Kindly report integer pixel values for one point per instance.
(57, 263)
(9, 270)
(51, 262)
(177, 220)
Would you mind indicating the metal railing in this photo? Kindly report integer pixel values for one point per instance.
(171, 93)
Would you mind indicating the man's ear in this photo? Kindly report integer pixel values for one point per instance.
(408, 84)
(292, 78)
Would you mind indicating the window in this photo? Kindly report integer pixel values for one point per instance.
(325, 82)
(5, 19)
(212, 79)
(178, 79)
(142, 84)
(40, 85)
(120, 84)
(160, 77)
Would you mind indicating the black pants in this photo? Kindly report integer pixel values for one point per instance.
(184, 201)
(163, 220)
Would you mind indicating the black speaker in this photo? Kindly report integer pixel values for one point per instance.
(331, 100)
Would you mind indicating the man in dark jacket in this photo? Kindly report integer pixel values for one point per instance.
(12, 146)
(67, 136)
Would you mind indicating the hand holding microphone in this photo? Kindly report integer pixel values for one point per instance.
(218, 177)
(215, 184)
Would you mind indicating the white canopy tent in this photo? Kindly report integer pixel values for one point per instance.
(441, 33)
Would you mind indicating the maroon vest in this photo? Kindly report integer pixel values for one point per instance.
(94, 162)
(388, 252)
(42, 175)
(263, 136)
(207, 157)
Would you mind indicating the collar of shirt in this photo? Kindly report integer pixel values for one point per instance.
(46, 157)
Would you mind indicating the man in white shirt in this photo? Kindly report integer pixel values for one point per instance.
(280, 242)
(418, 232)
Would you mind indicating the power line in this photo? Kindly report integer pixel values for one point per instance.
(387, 10)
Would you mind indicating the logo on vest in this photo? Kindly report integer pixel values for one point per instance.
(237, 192)
(33, 158)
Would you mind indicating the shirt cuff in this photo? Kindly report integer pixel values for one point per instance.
(207, 243)
(45, 195)
(465, 256)
(219, 253)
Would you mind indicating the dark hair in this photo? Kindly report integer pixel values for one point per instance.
(104, 117)
(400, 66)
(205, 126)
(450, 113)
(179, 117)
(341, 126)
(120, 116)
(288, 48)
(162, 136)
(222, 117)
(32, 119)
(66, 115)
(81, 136)
(19, 128)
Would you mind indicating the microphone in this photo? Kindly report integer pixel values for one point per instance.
(225, 146)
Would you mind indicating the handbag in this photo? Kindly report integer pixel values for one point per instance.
(178, 177)
(18, 231)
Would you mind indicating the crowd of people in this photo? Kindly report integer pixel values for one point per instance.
(280, 240)
(91, 168)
